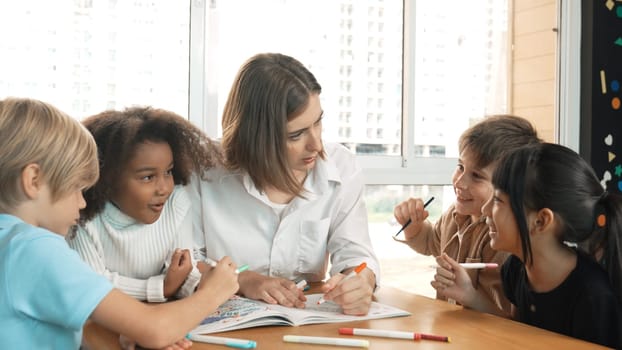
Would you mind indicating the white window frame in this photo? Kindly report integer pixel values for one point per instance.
(569, 73)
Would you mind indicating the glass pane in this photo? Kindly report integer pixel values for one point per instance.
(354, 48)
(402, 267)
(86, 56)
(461, 70)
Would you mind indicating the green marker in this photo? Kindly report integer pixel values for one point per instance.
(241, 269)
(213, 263)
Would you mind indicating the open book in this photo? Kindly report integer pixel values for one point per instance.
(239, 313)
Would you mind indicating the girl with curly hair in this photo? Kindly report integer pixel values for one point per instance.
(136, 228)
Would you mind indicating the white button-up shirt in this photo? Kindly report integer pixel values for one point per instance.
(234, 218)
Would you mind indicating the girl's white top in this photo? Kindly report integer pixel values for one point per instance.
(135, 256)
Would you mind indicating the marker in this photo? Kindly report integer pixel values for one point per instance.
(241, 269)
(213, 263)
(479, 265)
(356, 271)
(392, 334)
(470, 266)
(409, 220)
(210, 262)
(230, 342)
(360, 343)
(301, 285)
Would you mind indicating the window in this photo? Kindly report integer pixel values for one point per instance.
(449, 78)
(87, 56)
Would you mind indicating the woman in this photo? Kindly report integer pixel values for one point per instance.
(283, 202)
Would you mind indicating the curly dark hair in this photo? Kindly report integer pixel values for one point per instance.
(118, 132)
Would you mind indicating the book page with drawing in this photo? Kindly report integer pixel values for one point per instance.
(239, 313)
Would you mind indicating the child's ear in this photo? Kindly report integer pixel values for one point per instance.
(31, 180)
(544, 220)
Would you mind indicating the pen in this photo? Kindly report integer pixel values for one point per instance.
(326, 341)
(230, 342)
(357, 270)
(392, 334)
(469, 266)
(213, 263)
(409, 220)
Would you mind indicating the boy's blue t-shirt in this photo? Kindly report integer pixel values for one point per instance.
(46, 291)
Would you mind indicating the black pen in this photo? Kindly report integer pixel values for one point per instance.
(409, 220)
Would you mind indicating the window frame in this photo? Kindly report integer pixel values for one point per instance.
(568, 103)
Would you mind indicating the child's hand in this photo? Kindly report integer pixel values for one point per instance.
(272, 290)
(411, 209)
(452, 281)
(129, 344)
(178, 271)
(203, 267)
(221, 280)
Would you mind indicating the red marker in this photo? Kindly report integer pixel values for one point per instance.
(356, 271)
(392, 334)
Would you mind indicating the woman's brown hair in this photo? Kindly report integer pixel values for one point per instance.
(270, 89)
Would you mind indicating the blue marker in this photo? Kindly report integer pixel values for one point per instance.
(230, 342)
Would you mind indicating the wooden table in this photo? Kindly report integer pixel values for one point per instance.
(467, 329)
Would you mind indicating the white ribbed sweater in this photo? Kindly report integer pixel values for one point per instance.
(135, 256)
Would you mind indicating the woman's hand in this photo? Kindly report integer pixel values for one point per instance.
(354, 294)
(178, 271)
(272, 290)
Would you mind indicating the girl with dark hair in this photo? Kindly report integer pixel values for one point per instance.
(550, 212)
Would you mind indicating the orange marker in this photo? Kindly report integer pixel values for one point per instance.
(356, 271)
